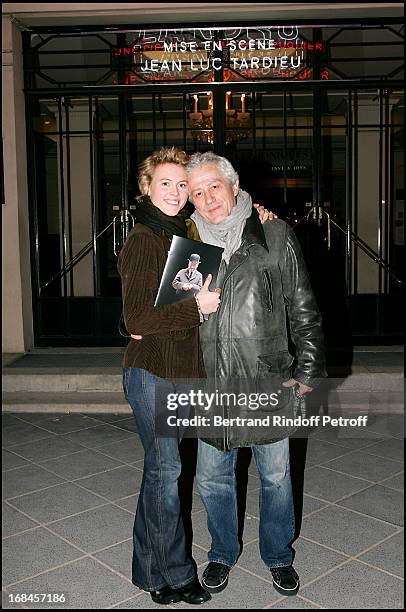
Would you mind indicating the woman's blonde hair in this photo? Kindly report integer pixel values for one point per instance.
(165, 155)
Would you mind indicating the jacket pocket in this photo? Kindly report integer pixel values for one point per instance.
(126, 379)
(279, 362)
(272, 371)
(267, 280)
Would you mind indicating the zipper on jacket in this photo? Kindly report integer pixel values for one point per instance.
(266, 277)
(226, 439)
(228, 412)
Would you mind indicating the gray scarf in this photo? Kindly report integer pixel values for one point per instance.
(226, 234)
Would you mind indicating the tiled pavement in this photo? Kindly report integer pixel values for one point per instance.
(70, 487)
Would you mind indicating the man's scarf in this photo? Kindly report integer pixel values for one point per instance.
(228, 233)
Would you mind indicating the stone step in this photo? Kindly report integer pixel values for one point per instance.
(110, 380)
(64, 402)
(345, 403)
(90, 380)
(79, 395)
(59, 380)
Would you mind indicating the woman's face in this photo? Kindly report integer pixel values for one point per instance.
(169, 189)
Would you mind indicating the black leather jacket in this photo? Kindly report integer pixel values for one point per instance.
(266, 299)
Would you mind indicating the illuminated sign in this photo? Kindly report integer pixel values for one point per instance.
(223, 54)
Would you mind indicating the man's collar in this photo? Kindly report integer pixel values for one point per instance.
(253, 232)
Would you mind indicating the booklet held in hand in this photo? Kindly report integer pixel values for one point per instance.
(188, 264)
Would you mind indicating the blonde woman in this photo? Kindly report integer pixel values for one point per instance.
(169, 350)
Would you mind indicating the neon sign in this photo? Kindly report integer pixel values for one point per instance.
(224, 54)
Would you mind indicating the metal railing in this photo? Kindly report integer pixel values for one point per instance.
(126, 222)
(317, 212)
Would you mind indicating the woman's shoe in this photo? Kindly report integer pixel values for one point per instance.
(193, 593)
(165, 596)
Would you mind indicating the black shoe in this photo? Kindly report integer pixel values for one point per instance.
(215, 577)
(193, 593)
(285, 580)
(165, 596)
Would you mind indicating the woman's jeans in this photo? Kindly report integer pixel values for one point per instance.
(159, 556)
(217, 486)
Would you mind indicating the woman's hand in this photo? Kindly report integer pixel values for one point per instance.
(208, 301)
(264, 214)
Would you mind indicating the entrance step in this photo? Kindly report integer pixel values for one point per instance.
(87, 380)
(82, 402)
(105, 383)
(90, 380)
(53, 381)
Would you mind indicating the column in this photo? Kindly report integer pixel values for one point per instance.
(17, 315)
(367, 186)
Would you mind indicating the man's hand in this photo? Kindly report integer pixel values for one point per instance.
(186, 287)
(135, 337)
(264, 214)
(208, 300)
(303, 389)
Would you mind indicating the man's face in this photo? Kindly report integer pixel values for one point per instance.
(193, 265)
(211, 193)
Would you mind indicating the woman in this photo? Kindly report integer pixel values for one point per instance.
(169, 349)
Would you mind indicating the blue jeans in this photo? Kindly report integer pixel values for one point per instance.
(159, 556)
(217, 486)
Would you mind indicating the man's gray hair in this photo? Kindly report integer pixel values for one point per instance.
(197, 160)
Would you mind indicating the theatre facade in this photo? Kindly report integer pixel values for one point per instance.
(311, 113)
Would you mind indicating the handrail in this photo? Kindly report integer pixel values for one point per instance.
(78, 257)
(355, 239)
(124, 215)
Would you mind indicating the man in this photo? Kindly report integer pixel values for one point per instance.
(263, 280)
(189, 280)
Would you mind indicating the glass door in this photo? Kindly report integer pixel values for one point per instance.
(87, 150)
(328, 163)
(269, 138)
(77, 185)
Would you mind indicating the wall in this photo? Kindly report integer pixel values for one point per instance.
(17, 302)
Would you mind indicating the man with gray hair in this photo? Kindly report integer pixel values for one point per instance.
(265, 291)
